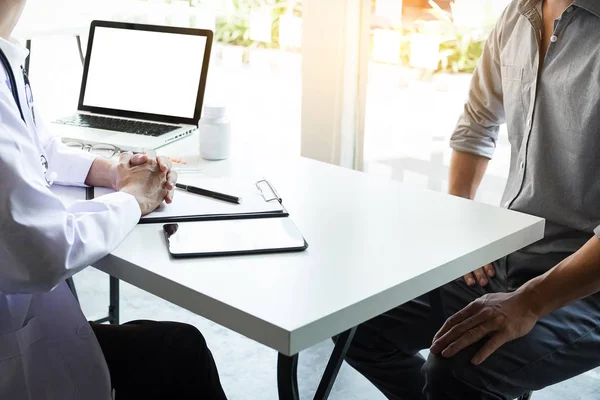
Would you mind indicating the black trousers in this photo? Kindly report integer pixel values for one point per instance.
(563, 344)
(159, 360)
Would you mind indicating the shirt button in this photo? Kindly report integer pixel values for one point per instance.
(528, 123)
(522, 165)
(84, 332)
(553, 38)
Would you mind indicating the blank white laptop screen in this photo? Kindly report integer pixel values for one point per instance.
(143, 71)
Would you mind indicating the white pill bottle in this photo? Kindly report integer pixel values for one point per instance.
(214, 131)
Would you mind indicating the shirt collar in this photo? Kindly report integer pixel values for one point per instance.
(15, 53)
(593, 6)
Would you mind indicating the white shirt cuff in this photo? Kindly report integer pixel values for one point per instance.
(128, 206)
(76, 171)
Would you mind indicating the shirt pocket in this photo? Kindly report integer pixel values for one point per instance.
(512, 91)
(31, 368)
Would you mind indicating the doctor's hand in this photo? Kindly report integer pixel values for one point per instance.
(164, 164)
(146, 182)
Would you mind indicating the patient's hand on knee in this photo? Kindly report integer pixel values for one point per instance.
(480, 276)
(502, 317)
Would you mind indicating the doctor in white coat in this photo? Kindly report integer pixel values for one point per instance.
(47, 348)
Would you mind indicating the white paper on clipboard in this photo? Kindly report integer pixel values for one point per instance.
(258, 197)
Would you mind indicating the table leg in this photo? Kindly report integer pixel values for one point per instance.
(338, 355)
(89, 195)
(71, 286)
(81, 56)
(287, 377)
(113, 283)
(287, 370)
(113, 307)
(28, 45)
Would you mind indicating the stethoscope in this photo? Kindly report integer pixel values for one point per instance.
(12, 83)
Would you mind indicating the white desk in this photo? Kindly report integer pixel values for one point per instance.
(373, 245)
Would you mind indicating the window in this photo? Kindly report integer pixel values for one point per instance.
(255, 66)
(421, 60)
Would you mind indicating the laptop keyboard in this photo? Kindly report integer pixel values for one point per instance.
(119, 125)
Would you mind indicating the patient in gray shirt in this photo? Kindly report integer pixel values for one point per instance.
(531, 319)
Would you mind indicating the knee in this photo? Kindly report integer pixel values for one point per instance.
(449, 379)
(185, 341)
(437, 371)
(188, 335)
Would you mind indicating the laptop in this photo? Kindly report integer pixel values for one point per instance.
(142, 87)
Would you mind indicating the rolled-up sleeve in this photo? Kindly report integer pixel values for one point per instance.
(478, 126)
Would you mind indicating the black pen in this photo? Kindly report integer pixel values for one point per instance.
(209, 193)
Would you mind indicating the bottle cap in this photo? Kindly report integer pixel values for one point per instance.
(214, 111)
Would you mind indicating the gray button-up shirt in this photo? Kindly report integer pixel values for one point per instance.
(552, 111)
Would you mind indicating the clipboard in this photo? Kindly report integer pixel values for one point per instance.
(224, 229)
(259, 200)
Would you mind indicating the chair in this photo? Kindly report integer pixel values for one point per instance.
(435, 299)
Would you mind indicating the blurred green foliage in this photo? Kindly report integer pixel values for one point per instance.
(234, 28)
(460, 48)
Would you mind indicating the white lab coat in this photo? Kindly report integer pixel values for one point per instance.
(47, 349)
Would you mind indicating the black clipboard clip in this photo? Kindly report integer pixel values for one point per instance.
(267, 191)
